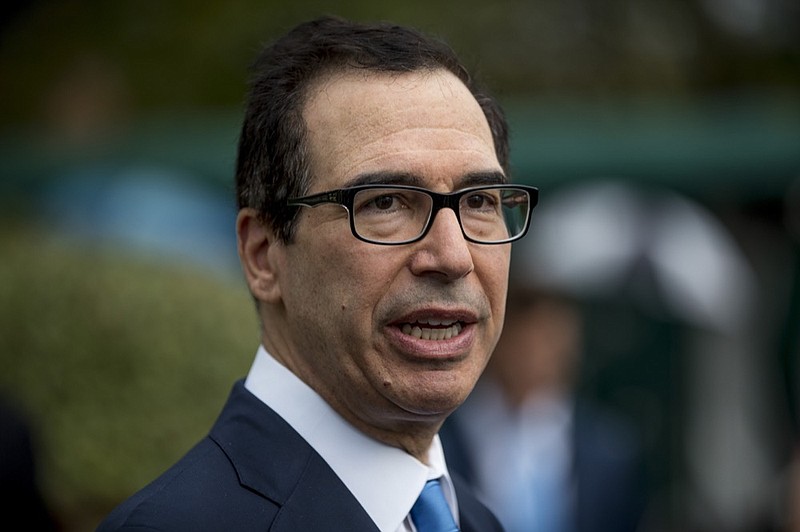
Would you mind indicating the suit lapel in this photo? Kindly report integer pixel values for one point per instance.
(272, 459)
(322, 502)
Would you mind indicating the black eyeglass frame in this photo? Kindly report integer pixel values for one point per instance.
(450, 200)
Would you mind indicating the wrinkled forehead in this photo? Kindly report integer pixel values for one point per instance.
(366, 121)
(369, 97)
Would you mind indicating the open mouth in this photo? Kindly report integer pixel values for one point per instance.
(432, 329)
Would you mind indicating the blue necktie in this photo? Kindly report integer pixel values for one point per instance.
(431, 513)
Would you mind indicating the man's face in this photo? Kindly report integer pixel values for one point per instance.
(348, 303)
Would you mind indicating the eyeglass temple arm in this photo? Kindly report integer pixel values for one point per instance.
(333, 196)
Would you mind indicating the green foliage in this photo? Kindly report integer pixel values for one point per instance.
(121, 363)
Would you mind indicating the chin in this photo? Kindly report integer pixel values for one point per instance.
(441, 400)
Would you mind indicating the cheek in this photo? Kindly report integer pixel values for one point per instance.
(495, 285)
(360, 277)
(343, 283)
(493, 271)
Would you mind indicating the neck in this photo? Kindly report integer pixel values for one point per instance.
(375, 416)
(408, 433)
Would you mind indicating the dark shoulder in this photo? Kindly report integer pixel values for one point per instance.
(199, 492)
(605, 434)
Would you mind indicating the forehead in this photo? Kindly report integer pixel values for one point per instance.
(426, 124)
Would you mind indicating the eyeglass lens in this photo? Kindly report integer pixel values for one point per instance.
(397, 215)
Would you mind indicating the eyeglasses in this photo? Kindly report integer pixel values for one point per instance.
(400, 214)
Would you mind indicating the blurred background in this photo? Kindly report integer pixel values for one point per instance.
(664, 136)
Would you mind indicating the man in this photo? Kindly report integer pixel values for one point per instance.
(540, 457)
(373, 231)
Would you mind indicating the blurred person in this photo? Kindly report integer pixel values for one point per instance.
(21, 498)
(540, 457)
(374, 228)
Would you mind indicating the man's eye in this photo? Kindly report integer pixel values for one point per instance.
(474, 202)
(479, 201)
(383, 202)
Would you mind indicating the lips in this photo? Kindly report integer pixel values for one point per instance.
(435, 333)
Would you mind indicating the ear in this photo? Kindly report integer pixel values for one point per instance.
(258, 252)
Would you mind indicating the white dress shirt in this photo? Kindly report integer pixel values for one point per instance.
(385, 480)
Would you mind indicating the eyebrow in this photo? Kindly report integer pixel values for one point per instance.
(470, 179)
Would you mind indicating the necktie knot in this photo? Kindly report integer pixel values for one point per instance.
(431, 512)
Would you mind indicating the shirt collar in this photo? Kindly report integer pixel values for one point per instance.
(357, 459)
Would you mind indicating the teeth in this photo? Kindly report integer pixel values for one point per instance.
(437, 321)
(427, 333)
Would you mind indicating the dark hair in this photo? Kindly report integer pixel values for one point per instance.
(272, 163)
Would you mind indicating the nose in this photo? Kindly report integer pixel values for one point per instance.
(443, 252)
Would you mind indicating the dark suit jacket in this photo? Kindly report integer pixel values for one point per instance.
(608, 469)
(254, 472)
